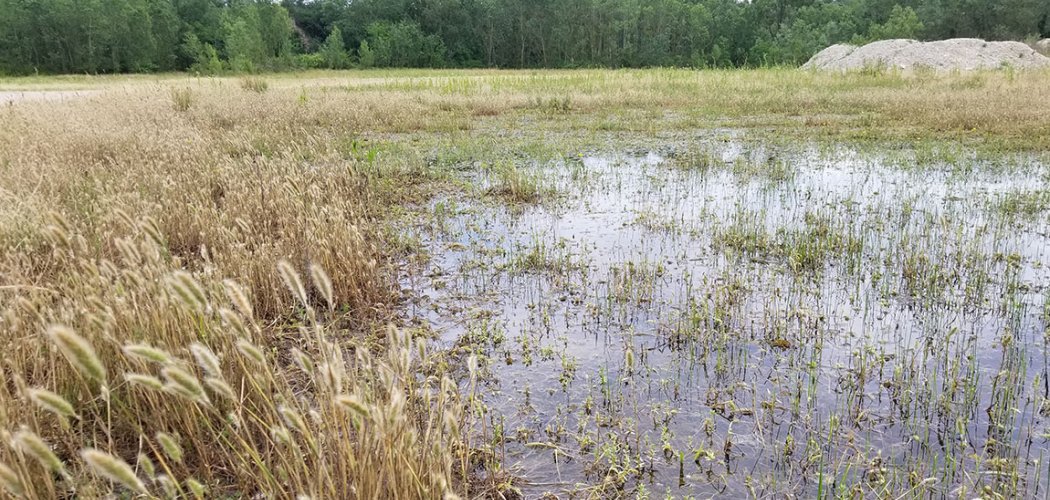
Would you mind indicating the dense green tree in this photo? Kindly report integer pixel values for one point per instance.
(365, 57)
(97, 36)
(333, 51)
(204, 56)
(275, 29)
(403, 44)
(166, 29)
(903, 23)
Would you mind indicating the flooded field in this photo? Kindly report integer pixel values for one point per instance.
(727, 318)
(467, 284)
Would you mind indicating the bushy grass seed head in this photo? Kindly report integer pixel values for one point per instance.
(220, 387)
(330, 376)
(183, 383)
(280, 434)
(292, 418)
(12, 483)
(234, 321)
(79, 352)
(152, 229)
(146, 465)
(353, 403)
(188, 291)
(323, 284)
(147, 352)
(147, 381)
(112, 468)
(52, 402)
(196, 487)
(303, 361)
(207, 360)
(250, 351)
(238, 298)
(170, 446)
(167, 485)
(31, 444)
(57, 237)
(293, 282)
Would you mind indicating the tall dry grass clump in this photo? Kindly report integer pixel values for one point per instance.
(187, 306)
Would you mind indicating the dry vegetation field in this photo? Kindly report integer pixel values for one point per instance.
(307, 285)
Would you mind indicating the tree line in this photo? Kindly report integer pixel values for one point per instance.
(213, 36)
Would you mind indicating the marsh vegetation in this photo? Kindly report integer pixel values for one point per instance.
(481, 284)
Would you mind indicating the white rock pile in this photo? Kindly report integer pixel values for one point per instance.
(964, 54)
(1043, 46)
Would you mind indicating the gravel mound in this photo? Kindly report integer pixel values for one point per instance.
(943, 55)
(1043, 46)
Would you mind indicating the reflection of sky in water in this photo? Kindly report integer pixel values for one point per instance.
(599, 225)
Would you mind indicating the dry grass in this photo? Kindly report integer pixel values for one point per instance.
(191, 268)
(206, 274)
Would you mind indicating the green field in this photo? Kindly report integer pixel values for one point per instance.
(585, 283)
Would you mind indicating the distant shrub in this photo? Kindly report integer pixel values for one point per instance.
(205, 58)
(553, 105)
(333, 51)
(254, 84)
(366, 58)
(310, 61)
(181, 99)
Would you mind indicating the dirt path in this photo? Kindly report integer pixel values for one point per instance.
(14, 96)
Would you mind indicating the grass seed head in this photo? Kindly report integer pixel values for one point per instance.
(220, 387)
(323, 284)
(353, 403)
(11, 481)
(293, 282)
(234, 321)
(250, 351)
(112, 468)
(167, 485)
(79, 352)
(292, 418)
(188, 291)
(183, 383)
(196, 487)
(147, 352)
(52, 402)
(303, 361)
(280, 434)
(170, 446)
(207, 359)
(31, 444)
(238, 298)
(147, 381)
(146, 465)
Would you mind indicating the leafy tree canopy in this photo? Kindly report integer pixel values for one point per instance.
(210, 36)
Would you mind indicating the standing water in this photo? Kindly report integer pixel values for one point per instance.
(751, 322)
